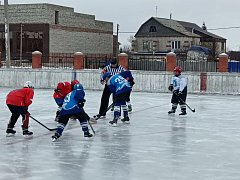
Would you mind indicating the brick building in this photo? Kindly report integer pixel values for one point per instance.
(165, 35)
(54, 29)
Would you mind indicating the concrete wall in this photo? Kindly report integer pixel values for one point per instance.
(222, 83)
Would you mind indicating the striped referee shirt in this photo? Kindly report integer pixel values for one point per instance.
(112, 70)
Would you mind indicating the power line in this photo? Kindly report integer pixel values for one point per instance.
(212, 29)
(234, 27)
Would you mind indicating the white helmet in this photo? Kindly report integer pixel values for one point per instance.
(29, 84)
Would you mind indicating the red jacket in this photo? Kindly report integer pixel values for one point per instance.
(64, 88)
(20, 97)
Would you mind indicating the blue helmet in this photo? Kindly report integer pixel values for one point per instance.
(78, 86)
(106, 75)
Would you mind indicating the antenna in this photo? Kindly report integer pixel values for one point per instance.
(156, 10)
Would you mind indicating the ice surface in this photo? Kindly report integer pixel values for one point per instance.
(155, 146)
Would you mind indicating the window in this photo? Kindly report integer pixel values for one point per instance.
(152, 29)
(175, 45)
(56, 17)
(147, 46)
(223, 47)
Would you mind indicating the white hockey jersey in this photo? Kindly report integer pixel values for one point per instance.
(179, 82)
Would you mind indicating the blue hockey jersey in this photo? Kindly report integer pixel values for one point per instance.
(128, 76)
(118, 84)
(71, 102)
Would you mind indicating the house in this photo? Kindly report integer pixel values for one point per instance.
(165, 35)
(55, 29)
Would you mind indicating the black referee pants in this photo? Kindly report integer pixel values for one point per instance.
(104, 100)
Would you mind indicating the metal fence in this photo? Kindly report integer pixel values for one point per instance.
(18, 62)
(198, 66)
(58, 61)
(147, 63)
(95, 61)
(135, 62)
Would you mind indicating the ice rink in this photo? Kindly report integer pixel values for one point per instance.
(204, 145)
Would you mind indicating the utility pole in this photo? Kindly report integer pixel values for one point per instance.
(7, 41)
(117, 47)
(21, 47)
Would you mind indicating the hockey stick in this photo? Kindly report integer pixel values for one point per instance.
(193, 110)
(43, 124)
(109, 107)
(91, 127)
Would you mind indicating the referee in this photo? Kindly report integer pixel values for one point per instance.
(113, 68)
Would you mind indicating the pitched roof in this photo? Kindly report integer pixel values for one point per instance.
(185, 28)
(175, 25)
(192, 26)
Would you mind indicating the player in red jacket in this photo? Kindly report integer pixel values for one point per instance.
(18, 101)
(63, 88)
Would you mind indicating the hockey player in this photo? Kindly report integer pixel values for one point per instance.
(18, 101)
(113, 68)
(120, 88)
(179, 87)
(63, 88)
(73, 106)
(73, 82)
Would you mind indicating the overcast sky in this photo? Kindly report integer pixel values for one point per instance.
(131, 14)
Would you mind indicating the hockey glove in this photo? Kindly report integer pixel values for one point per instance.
(180, 93)
(56, 90)
(170, 87)
(81, 103)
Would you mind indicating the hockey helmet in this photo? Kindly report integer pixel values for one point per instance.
(28, 84)
(106, 75)
(78, 86)
(73, 82)
(113, 61)
(60, 86)
(178, 69)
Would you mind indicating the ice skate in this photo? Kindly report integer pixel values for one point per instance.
(55, 137)
(27, 133)
(98, 116)
(172, 111)
(183, 113)
(113, 122)
(87, 135)
(125, 120)
(10, 132)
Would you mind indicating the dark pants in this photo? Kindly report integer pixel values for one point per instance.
(82, 117)
(120, 103)
(176, 99)
(122, 97)
(16, 112)
(105, 100)
(128, 96)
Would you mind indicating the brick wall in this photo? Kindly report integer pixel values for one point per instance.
(74, 31)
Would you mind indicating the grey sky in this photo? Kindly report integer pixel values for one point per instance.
(130, 14)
